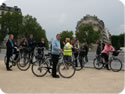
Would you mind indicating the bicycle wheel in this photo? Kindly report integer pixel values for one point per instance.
(98, 63)
(116, 65)
(23, 64)
(39, 69)
(66, 70)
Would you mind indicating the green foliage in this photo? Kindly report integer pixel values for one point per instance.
(11, 24)
(64, 35)
(21, 26)
(87, 34)
(118, 40)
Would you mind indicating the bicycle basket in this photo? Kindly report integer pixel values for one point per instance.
(115, 53)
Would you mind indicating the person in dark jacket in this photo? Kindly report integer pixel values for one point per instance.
(99, 48)
(83, 53)
(42, 46)
(76, 51)
(42, 43)
(24, 45)
(86, 52)
(11, 49)
(31, 45)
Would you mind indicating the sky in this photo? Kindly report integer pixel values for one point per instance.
(56, 16)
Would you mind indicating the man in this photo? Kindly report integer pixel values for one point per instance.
(76, 51)
(31, 43)
(86, 52)
(11, 49)
(99, 49)
(56, 49)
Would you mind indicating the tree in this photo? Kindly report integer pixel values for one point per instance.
(31, 26)
(64, 35)
(11, 23)
(118, 40)
(21, 26)
(87, 34)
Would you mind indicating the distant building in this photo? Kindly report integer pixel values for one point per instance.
(98, 25)
(4, 9)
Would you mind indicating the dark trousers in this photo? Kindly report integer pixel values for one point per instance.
(76, 55)
(9, 56)
(86, 58)
(8, 60)
(68, 59)
(81, 60)
(55, 59)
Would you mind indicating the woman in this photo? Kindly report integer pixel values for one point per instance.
(106, 52)
(24, 45)
(67, 50)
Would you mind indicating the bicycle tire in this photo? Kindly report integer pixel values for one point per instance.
(35, 64)
(114, 68)
(23, 67)
(60, 72)
(95, 63)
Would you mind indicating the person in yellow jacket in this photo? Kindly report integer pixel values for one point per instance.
(67, 50)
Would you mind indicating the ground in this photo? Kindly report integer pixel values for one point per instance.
(88, 80)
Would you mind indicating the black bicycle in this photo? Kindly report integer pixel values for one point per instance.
(115, 64)
(20, 59)
(65, 68)
(24, 61)
(30, 57)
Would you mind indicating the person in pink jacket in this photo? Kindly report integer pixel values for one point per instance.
(106, 52)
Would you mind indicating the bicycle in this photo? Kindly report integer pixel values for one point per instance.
(24, 62)
(114, 63)
(30, 57)
(17, 61)
(40, 68)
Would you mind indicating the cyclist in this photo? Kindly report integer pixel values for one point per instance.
(106, 52)
(31, 45)
(11, 49)
(99, 48)
(76, 51)
(67, 50)
(56, 49)
(24, 45)
(83, 54)
(42, 46)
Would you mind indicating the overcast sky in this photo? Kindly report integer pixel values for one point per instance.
(58, 15)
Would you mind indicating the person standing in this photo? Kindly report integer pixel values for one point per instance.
(67, 50)
(42, 44)
(86, 52)
(24, 45)
(56, 49)
(11, 49)
(31, 46)
(76, 51)
(99, 48)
